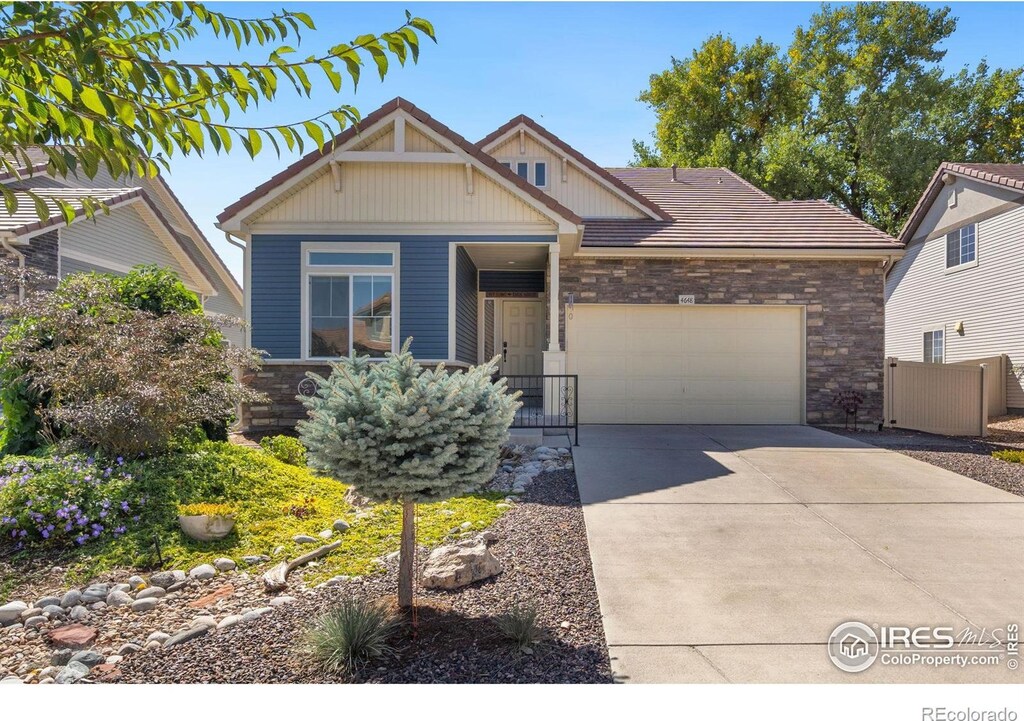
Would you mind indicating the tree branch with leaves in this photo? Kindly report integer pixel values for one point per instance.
(95, 86)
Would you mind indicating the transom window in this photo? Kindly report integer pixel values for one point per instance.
(962, 246)
(934, 346)
(532, 171)
(349, 306)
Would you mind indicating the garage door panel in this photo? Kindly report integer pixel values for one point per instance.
(687, 364)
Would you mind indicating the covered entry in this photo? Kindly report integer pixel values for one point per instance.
(687, 364)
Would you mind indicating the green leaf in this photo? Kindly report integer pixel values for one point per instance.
(64, 87)
(91, 100)
(314, 131)
(255, 142)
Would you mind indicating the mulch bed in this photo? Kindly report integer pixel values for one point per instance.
(967, 456)
(543, 546)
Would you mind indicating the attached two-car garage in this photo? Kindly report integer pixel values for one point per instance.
(687, 363)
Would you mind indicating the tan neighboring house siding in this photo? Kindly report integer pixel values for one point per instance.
(988, 298)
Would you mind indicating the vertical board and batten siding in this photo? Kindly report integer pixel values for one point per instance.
(401, 193)
(423, 289)
(580, 194)
(512, 281)
(466, 308)
(988, 298)
(937, 397)
(124, 237)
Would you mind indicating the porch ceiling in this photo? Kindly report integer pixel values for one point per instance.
(520, 256)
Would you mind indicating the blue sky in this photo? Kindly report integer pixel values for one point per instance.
(574, 67)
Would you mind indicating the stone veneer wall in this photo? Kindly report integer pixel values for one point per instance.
(844, 308)
(42, 255)
(281, 383)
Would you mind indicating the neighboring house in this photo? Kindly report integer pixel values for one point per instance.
(958, 293)
(676, 296)
(146, 224)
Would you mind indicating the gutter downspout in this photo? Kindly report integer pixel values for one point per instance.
(229, 238)
(6, 243)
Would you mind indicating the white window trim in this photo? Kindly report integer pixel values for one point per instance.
(349, 270)
(933, 329)
(531, 169)
(945, 251)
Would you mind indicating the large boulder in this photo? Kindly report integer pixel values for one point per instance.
(455, 566)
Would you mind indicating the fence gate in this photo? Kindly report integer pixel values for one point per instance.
(945, 398)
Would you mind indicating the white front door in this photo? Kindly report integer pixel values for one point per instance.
(522, 336)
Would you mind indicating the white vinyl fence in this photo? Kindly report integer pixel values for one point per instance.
(955, 399)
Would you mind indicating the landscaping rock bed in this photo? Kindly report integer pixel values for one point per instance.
(542, 546)
(967, 456)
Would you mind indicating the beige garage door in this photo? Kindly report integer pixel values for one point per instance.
(687, 364)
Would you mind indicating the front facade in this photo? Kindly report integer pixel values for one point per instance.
(145, 225)
(676, 296)
(958, 293)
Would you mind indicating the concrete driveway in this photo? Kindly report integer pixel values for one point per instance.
(730, 553)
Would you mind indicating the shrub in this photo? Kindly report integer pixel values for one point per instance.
(206, 509)
(398, 432)
(521, 626)
(120, 379)
(121, 363)
(285, 449)
(354, 632)
(66, 501)
(1009, 456)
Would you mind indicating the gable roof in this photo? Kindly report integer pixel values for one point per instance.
(716, 208)
(1007, 175)
(622, 188)
(310, 159)
(25, 222)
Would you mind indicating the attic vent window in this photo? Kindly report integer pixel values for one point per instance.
(532, 171)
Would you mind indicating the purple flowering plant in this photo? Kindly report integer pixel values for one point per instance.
(65, 501)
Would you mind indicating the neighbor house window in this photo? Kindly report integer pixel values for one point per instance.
(349, 303)
(962, 246)
(934, 346)
(532, 171)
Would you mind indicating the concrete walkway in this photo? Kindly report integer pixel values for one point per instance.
(730, 553)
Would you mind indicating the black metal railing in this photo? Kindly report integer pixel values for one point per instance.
(549, 402)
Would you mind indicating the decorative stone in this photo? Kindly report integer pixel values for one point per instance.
(72, 673)
(303, 539)
(78, 613)
(136, 582)
(128, 649)
(186, 636)
(54, 612)
(340, 526)
(282, 600)
(255, 613)
(466, 526)
(118, 598)
(11, 680)
(121, 587)
(95, 592)
(253, 560)
(48, 601)
(204, 621)
(154, 645)
(74, 635)
(177, 586)
(71, 599)
(61, 656)
(151, 592)
(326, 533)
(203, 573)
(35, 621)
(88, 658)
(224, 564)
(106, 672)
(489, 536)
(228, 621)
(113, 660)
(30, 612)
(11, 612)
(225, 591)
(451, 567)
(163, 579)
(144, 605)
(158, 636)
(278, 550)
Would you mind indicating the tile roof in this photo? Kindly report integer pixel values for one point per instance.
(26, 220)
(581, 159)
(36, 157)
(380, 113)
(1008, 175)
(715, 208)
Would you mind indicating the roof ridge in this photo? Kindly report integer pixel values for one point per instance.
(580, 158)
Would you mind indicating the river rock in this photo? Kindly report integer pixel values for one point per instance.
(72, 673)
(144, 605)
(303, 539)
(11, 612)
(88, 658)
(151, 592)
(186, 636)
(48, 601)
(118, 598)
(203, 573)
(78, 613)
(225, 564)
(35, 621)
(340, 526)
(71, 599)
(136, 582)
(228, 621)
(158, 636)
